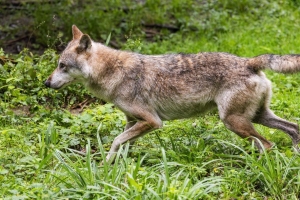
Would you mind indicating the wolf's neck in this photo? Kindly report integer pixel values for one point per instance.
(106, 70)
(111, 58)
(103, 52)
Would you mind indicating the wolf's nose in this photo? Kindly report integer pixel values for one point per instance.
(47, 83)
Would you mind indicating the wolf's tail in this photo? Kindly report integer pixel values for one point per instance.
(283, 64)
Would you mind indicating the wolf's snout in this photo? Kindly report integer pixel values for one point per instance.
(47, 83)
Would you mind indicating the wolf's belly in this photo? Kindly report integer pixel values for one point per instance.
(175, 111)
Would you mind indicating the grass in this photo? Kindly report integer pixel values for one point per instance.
(48, 153)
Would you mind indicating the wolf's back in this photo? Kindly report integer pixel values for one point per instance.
(279, 63)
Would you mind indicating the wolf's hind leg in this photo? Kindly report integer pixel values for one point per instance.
(267, 118)
(238, 105)
(245, 129)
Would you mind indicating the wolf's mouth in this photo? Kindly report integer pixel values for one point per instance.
(57, 87)
(65, 85)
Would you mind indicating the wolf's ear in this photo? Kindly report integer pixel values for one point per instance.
(85, 43)
(76, 32)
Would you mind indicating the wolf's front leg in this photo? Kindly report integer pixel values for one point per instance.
(137, 130)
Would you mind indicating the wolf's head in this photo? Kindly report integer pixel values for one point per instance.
(72, 65)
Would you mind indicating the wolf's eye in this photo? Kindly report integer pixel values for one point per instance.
(62, 66)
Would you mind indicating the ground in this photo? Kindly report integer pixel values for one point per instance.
(19, 29)
(16, 28)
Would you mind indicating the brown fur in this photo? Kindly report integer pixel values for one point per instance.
(150, 89)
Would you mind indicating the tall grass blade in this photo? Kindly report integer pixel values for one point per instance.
(104, 163)
(77, 177)
(166, 169)
(89, 161)
(108, 39)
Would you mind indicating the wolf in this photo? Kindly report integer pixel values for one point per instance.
(152, 88)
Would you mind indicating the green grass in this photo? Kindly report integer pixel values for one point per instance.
(48, 153)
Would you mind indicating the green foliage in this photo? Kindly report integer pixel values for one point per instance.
(51, 26)
(48, 152)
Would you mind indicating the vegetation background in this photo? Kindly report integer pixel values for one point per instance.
(52, 142)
